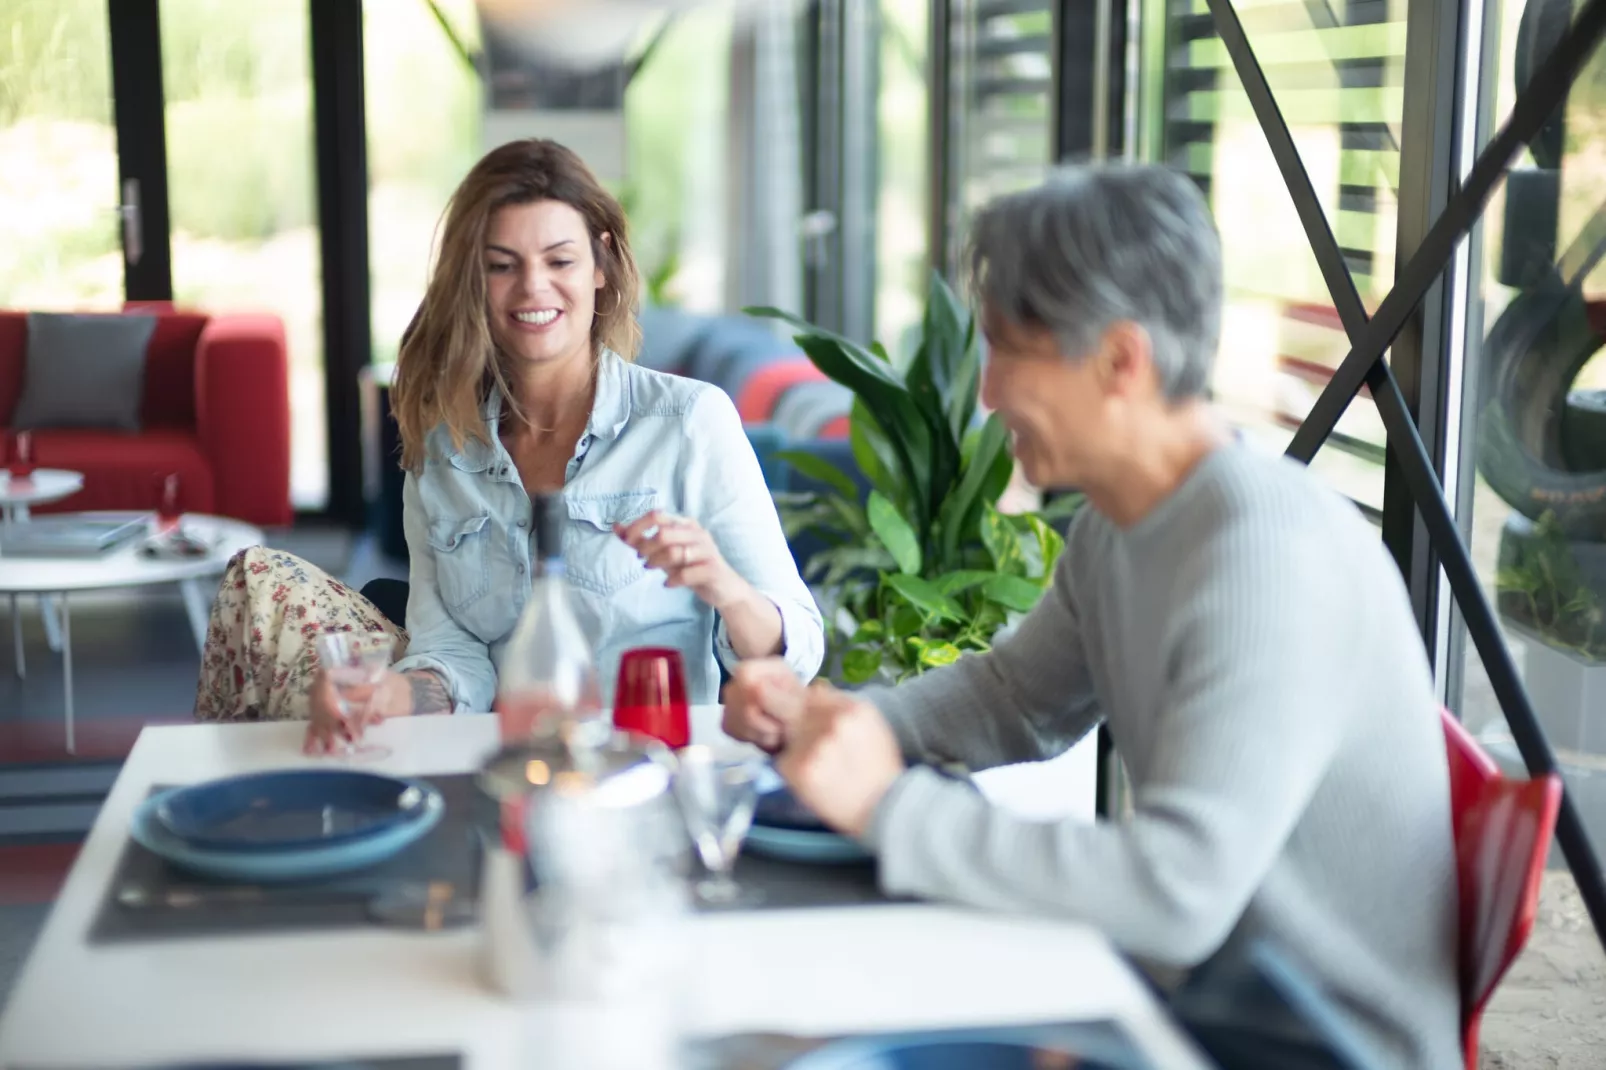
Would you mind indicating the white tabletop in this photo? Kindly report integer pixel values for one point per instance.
(42, 485)
(126, 566)
(380, 992)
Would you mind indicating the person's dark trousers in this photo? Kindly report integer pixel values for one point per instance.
(390, 598)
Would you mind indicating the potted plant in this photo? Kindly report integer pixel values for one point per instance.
(924, 568)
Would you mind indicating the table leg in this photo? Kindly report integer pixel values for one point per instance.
(199, 608)
(16, 638)
(66, 672)
(47, 614)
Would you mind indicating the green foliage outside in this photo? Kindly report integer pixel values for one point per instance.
(1540, 585)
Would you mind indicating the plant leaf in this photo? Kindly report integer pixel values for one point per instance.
(1013, 592)
(962, 580)
(906, 621)
(860, 665)
(874, 454)
(936, 655)
(872, 380)
(1062, 507)
(895, 533)
(1002, 542)
(924, 595)
(821, 471)
(961, 509)
(869, 630)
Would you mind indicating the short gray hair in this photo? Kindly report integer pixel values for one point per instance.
(1096, 244)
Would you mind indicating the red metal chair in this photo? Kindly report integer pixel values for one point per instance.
(1502, 831)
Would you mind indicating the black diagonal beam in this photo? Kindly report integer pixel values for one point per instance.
(1535, 104)
(1364, 364)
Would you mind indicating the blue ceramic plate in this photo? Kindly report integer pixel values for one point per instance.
(290, 810)
(778, 808)
(802, 845)
(976, 1051)
(309, 863)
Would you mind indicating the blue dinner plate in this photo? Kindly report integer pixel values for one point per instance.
(289, 810)
(786, 829)
(803, 845)
(778, 808)
(307, 863)
(942, 1054)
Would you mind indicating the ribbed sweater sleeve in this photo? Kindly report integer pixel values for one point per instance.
(1244, 729)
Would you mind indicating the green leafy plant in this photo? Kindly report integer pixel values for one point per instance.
(926, 567)
(1539, 584)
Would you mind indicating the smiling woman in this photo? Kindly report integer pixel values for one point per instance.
(516, 377)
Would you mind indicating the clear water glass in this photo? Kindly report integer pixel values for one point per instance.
(356, 663)
(717, 795)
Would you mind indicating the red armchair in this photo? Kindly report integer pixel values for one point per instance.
(216, 411)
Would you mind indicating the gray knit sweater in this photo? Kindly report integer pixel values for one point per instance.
(1253, 650)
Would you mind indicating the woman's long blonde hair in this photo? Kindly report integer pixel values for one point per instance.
(449, 363)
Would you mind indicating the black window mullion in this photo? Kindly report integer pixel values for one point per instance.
(139, 107)
(341, 141)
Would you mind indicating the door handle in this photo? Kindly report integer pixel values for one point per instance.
(133, 245)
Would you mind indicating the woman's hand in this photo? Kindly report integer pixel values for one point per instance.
(687, 555)
(328, 731)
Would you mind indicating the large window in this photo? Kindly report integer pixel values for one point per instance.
(1000, 138)
(422, 98)
(676, 111)
(903, 169)
(58, 184)
(1536, 414)
(244, 231)
(1336, 72)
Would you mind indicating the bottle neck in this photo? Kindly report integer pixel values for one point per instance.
(550, 568)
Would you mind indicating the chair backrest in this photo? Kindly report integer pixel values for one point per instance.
(1502, 836)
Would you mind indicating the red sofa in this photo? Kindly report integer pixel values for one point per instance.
(216, 411)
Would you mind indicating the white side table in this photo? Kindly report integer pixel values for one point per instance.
(16, 495)
(126, 566)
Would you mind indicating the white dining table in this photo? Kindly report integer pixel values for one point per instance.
(377, 992)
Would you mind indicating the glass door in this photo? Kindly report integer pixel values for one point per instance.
(58, 138)
(237, 90)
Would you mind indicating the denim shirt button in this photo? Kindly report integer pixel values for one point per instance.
(520, 567)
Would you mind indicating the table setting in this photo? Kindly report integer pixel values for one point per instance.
(642, 891)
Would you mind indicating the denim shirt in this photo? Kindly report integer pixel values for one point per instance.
(653, 441)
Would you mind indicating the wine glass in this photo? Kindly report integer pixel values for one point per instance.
(717, 795)
(356, 663)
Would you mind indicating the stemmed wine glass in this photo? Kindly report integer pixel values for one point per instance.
(356, 663)
(717, 796)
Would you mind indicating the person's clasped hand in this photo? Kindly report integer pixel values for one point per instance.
(836, 751)
(328, 731)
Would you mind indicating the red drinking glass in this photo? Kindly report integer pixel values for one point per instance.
(167, 512)
(21, 453)
(651, 695)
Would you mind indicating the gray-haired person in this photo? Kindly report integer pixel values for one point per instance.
(1237, 624)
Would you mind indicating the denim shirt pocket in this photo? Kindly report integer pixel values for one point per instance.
(596, 559)
(462, 559)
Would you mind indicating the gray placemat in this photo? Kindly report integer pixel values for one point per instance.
(397, 1062)
(786, 885)
(1091, 1045)
(450, 852)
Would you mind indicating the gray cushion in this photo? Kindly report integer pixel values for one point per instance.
(84, 371)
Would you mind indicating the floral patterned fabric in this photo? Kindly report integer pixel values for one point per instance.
(260, 655)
